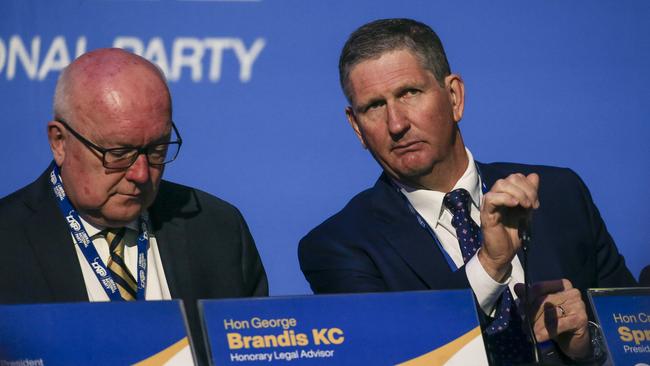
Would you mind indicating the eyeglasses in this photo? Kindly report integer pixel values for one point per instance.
(123, 157)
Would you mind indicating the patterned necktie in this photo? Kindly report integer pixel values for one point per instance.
(506, 341)
(125, 282)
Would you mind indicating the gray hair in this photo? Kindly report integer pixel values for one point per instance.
(376, 38)
(61, 96)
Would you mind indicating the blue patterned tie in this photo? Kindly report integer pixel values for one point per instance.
(507, 343)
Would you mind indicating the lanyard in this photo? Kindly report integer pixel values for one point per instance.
(423, 223)
(83, 241)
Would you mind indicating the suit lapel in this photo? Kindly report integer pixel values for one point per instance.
(172, 240)
(172, 244)
(53, 246)
(403, 232)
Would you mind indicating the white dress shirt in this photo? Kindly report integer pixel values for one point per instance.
(156, 286)
(429, 205)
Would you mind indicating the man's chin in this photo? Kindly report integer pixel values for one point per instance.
(108, 217)
(411, 176)
(414, 172)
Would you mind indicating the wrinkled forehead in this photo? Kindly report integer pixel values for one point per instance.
(368, 58)
(390, 66)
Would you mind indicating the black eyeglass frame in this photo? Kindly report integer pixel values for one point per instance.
(140, 151)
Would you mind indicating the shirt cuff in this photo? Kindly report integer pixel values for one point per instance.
(486, 289)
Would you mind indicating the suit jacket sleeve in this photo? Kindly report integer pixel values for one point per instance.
(331, 266)
(375, 244)
(253, 271)
(610, 264)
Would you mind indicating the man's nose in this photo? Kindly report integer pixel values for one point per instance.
(398, 123)
(139, 171)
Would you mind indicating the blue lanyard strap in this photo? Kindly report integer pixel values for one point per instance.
(423, 223)
(83, 241)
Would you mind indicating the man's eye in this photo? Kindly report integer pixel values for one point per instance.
(375, 105)
(411, 92)
(158, 151)
(121, 154)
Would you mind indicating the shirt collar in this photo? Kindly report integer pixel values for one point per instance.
(93, 230)
(429, 203)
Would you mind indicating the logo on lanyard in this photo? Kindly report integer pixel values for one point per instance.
(82, 239)
(99, 269)
(74, 224)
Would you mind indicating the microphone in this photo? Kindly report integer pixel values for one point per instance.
(525, 235)
(644, 277)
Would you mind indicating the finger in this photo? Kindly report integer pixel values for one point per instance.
(527, 186)
(565, 298)
(522, 184)
(555, 298)
(552, 312)
(519, 187)
(553, 292)
(552, 325)
(493, 201)
(543, 288)
(551, 316)
(533, 178)
(575, 324)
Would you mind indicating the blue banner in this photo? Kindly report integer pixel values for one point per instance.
(258, 102)
(100, 333)
(415, 328)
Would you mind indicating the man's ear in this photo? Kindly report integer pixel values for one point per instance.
(352, 119)
(456, 88)
(57, 140)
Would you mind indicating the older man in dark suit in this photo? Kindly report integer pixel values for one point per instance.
(438, 219)
(100, 224)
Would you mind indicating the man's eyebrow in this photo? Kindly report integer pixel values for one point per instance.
(364, 106)
(161, 140)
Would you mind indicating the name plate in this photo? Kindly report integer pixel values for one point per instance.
(624, 317)
(100, 333)
(407, 328)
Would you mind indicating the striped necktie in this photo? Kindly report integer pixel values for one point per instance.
(125, 282)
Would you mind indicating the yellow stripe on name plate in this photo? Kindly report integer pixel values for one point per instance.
(468, 349)
(178, 353)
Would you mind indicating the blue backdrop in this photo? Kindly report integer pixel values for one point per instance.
(257, 100)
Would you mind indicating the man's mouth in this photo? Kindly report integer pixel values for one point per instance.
(406, 147)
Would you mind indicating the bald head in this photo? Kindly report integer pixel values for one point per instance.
(105, 79)
(110, 99)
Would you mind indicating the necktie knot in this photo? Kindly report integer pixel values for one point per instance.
(114, 237)
(457, 201)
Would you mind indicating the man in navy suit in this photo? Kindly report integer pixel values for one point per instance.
(404, 233)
